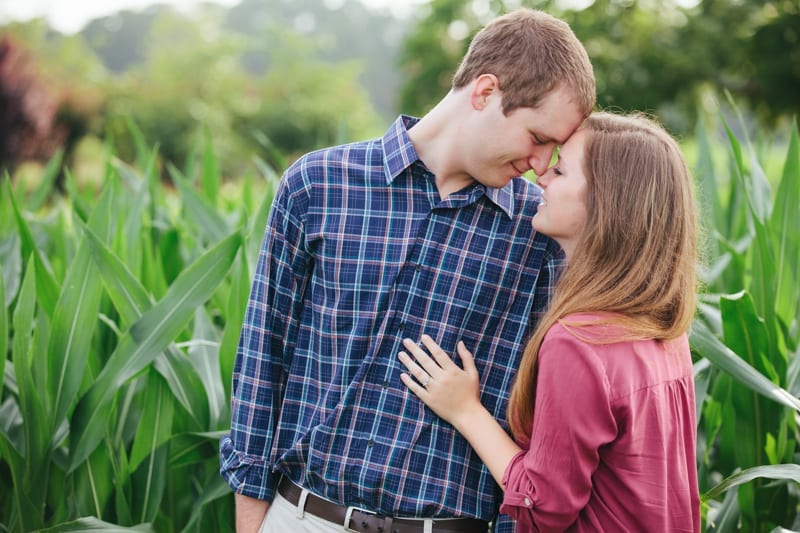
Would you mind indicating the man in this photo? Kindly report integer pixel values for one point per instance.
(427, 229)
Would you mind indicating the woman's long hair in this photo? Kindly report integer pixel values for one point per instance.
(635, 260)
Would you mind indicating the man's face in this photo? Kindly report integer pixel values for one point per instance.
(504, 147)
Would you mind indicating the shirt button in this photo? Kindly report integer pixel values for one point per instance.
(527, 502)
(418, 268)
(401, 326)
(385, 384)
(370, 443)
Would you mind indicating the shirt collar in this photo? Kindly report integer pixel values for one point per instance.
(399, 154)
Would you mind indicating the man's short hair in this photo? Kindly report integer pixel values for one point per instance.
(531, 53)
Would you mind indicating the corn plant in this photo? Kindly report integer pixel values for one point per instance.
(747, 335)
(118, 325)
(121, 313)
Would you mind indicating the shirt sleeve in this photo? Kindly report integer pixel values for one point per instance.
(548, 484)
(266, 343)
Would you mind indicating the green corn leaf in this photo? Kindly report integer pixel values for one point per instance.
(146, 338)
(784, 225)
(78, 202)
(122, 503)
(788, 472)
(158, 412)
(210, 225)
(708, 187)
(213, 490)
(35, 425)
(3, 330)
(709, 346)
(757, 188)
(47, 286)
(152, 273)
(193, 448)
(727, 515)
(45, 188)
(749, 336)
(131, 300)
(91, 523)
(190, 163)
(134, 218)
(210, 178)
(145, 158)
(169, 250)
(148, 484)
(11, 258)
(274, 155)
(75, 317)
(258, 223)
(93, 483)
(247, 196)
(184, 382)
(204, 353)
(27, 511)
(237, 302)
(128, 295)
(764, 274)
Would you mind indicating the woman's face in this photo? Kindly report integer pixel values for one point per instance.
(563, 212)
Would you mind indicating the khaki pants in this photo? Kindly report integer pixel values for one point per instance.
(282, 516)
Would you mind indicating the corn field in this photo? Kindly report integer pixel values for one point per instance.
(121, 312)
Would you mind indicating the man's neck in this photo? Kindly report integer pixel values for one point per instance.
(435, 139)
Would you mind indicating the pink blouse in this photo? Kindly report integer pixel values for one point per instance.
(613, 442)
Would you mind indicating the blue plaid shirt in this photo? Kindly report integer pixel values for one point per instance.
(360, 252)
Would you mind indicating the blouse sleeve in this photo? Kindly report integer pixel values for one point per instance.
(547, 485)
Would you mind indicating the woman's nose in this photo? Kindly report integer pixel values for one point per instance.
(543, 179)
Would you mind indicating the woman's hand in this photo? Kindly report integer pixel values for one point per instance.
(451, 392)
(454, 395)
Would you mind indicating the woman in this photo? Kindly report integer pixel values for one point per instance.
(602, 409)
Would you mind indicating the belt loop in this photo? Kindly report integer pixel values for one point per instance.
(348, 516)
(301, 504)
(428, 525)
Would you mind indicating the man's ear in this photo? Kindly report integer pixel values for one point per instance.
(483, 87)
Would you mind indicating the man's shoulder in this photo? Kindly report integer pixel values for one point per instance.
(340, 154)
(336, 164)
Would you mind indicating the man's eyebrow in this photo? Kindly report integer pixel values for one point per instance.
(563, 142)
(546, 139)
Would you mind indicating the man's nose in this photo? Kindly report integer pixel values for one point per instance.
(540, 160)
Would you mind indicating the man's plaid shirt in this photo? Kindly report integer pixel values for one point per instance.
(360, 252)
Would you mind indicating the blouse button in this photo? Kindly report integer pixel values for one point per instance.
(527, 502)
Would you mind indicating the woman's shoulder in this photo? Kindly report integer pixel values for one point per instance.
(592, 328)
(628, 363)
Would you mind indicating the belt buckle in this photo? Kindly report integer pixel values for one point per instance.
(348, 516)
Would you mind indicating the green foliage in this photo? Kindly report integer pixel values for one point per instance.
(120, 316)
(747, 329)
(113, 394)
(654, 56)
(186, 77)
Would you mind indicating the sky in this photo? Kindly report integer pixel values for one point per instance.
(69, 16)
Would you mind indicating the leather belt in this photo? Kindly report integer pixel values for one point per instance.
(362, 521)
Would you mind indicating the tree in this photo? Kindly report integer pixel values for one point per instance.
(649, 55)
(27, 110)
